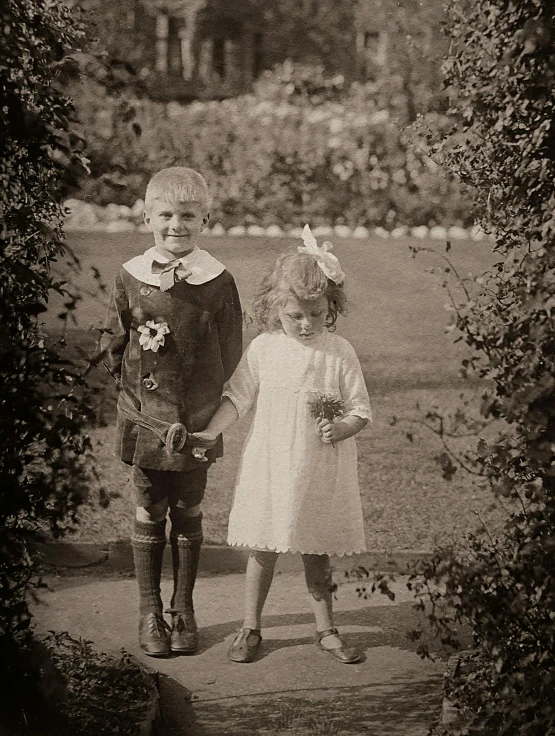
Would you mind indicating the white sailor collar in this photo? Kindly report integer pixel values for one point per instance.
(204, 267)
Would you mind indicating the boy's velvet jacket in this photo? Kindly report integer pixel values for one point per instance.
(183, 381)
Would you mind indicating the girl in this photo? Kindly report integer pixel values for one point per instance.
(297, 487)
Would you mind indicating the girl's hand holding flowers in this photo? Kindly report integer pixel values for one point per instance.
(325, 408)
(327, 431)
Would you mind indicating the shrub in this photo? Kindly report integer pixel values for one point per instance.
(97, 694)
(303, 147)
(500, 75)
(70, 688)
(44, 451)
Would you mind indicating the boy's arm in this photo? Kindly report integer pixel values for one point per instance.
(229, 324)
(115, 335)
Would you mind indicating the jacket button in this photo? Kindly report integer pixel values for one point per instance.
(149, 384)
(145, 291)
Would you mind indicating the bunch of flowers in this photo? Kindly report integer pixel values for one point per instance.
(325, 406)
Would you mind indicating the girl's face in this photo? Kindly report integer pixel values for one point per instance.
(304, 319)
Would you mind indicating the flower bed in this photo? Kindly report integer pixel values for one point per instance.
(278, 158)
(87, 217)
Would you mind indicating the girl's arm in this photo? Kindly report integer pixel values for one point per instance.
(238, 398)
(225, 415)
(332, 432)
(357, 404)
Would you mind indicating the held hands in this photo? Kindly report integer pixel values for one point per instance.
(225, 415)
(201, 442)
(204, 439)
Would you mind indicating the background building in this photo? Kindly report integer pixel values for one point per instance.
(212, 49)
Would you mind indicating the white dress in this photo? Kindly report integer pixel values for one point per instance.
(295, 493)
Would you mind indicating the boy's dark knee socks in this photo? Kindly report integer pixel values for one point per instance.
(186, 539)
(148, 542)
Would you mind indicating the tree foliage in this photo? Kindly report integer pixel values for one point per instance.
(44, 451)
(500, 76)
(414, 47)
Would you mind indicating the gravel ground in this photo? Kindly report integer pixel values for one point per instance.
(407, 504)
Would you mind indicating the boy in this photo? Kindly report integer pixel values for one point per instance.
(172, 338)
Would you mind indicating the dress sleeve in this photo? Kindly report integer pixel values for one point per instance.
(229, 323)
(353, 387)
(242, 387)
(115, 335)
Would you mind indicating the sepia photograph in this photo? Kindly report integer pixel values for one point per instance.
(277, 355)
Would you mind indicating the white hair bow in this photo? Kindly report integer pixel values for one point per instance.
(326, 260)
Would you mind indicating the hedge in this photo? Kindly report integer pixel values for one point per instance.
(501, 74)
(279, 156)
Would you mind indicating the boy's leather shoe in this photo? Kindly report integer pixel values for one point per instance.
(154, 637)
(184, 636)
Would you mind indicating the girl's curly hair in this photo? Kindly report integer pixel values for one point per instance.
(298, 275)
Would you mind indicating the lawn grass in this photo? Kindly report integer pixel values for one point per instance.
(397, 315)
(407, 504)
(397, 325)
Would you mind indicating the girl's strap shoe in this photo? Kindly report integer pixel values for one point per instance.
(345, 654)
(245, 646)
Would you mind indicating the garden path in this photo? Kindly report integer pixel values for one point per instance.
(292, 688)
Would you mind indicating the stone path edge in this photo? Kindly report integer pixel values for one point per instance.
(117, 557)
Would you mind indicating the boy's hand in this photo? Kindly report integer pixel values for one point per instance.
(327, 431)
(201, 441)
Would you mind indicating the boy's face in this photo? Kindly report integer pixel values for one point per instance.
(175, 226)
(304, 320)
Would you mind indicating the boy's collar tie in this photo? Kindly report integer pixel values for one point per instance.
(202, 266)
(170, 272)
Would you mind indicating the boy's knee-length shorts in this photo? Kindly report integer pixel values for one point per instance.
(153, 486)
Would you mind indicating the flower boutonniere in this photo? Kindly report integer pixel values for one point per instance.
(153, 335)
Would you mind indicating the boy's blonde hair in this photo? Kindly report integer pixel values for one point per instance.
(178, 183)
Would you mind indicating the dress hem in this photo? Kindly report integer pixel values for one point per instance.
(277, 550)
